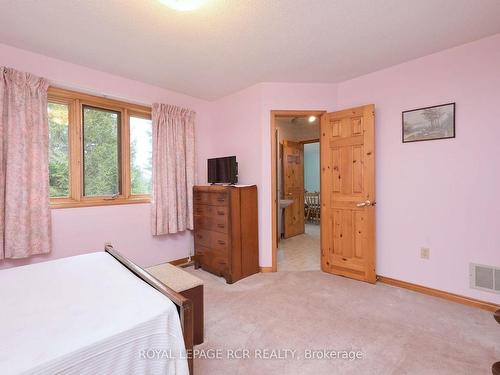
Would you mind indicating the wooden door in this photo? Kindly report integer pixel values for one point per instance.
(348, 193)
(293, 187)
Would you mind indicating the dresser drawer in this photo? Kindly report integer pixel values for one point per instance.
(219, 213)
(219, 199)
(209, 223)
(202, 210)
(199, 210)
(203, 237)
(216, 212)
(219, 241)
(202, 222)
(220, 225)
(213, 260)
(201, 197)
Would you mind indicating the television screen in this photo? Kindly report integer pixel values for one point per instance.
(223, 170)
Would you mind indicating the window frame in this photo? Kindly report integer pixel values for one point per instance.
(75, 102)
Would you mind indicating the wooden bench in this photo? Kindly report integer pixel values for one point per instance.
(187, 285)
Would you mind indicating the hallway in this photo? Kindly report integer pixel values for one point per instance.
(302, 252)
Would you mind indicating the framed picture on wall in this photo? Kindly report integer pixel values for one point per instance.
(429, 123)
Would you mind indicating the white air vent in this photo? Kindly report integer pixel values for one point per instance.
(485, 277)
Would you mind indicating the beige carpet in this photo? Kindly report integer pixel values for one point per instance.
(398, 331)
(302, 252)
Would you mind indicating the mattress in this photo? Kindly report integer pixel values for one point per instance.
(86, 315)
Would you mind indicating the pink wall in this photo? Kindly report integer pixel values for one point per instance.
(81, 230)
(235, 131)
(437, 194)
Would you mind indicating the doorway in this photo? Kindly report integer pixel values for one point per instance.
(296, 190)
(347, 189)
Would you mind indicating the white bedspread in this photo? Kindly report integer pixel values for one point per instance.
(86, 315)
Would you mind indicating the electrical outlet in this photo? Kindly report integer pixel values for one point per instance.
(425, 252)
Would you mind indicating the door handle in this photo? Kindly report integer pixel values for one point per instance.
(366, 203)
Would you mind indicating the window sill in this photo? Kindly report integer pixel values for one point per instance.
(70, 203)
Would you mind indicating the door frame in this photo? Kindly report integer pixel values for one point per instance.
(315, 140)
(274, 213)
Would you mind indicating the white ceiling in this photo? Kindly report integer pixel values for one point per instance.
(228, 45)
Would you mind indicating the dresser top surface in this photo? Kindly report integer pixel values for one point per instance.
(216, 188)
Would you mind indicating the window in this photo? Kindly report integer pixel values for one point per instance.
(101, 168)
(100, 150)
(58, 149)
(141, 155)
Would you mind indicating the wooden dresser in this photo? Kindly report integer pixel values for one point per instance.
(226, 240)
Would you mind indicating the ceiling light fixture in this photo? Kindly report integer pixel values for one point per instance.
(311, 119)
(184, 5)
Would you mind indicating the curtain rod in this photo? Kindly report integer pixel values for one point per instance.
(89, 91)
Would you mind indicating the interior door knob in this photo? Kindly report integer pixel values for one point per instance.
(366, 203)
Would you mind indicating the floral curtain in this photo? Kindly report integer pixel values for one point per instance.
(173, 169)
(25, 227)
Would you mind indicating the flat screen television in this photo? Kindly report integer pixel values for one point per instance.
(223, 170)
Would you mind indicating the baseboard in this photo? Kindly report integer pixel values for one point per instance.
(490, 306)
(266, 269)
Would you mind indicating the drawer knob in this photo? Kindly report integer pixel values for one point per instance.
(220, 242)
(220, 225)
(220, 213)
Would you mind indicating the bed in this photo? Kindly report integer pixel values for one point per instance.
(96, 313)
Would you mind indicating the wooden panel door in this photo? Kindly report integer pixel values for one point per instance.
(348, 193)
(293, 187)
